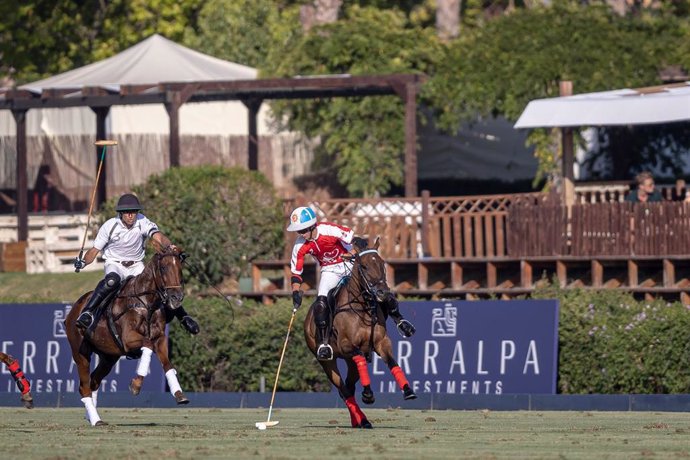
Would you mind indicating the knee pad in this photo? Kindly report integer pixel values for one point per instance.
(112, 281)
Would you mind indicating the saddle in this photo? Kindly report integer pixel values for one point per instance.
(106, 306)
(332, 296)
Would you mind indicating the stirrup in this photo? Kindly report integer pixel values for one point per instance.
(84, 320)
(405, 328)
(324, 353)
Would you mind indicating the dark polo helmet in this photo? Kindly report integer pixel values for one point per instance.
(128, 202)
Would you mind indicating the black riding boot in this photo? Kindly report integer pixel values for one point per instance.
(405, 327)
(89, 314)
(321, 321)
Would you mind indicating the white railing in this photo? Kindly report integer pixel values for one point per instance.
(54, 241)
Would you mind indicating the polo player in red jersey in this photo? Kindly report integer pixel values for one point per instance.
(328, 242)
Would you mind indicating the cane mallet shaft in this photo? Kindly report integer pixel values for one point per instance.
(268, 422)
(104, 144)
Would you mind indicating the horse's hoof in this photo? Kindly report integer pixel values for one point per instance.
(408, 394)
(180, 398)
(366, 424)
(28, 401)
(368, 397)
(135, 385)
(101, 423)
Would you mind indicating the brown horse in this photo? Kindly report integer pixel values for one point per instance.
(19, 378)
(133, 324)
(358, 329)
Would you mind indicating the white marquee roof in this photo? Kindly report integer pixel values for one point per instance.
(658, 104)
(153, 60)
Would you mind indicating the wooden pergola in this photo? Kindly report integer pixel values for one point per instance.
(251, 93)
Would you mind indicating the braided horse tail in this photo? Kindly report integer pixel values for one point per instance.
(19, 378)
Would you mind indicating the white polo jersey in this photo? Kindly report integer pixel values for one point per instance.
(119, 243)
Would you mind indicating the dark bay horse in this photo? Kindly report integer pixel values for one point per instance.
(133, 325)
(19, 378)
(359, 329)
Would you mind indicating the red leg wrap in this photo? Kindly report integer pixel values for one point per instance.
(399, 377)
(19, 378)
(362, 369)
(356, 414)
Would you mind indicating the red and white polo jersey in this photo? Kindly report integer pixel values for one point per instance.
(327, 248)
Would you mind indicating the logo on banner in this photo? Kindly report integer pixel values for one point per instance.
(444, 321)
(59, 322)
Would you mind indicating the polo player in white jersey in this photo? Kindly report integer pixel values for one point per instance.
(122, 240)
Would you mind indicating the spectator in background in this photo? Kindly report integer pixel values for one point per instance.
(679, 193)
(645, 192)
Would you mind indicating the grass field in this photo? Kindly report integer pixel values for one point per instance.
(324, 433)
(46, 287)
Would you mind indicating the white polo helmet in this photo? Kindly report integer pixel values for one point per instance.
(301, 218)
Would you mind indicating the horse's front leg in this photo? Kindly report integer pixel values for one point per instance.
(357, 370)
(161, 347)
(357, 417)
(384, 348)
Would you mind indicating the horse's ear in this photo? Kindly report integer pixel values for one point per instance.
(376, 243)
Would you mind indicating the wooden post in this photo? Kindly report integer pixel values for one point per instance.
(22, 190)
(425, 223)
(253, 106)
(410, 140)
(101, 191)
(173, 108)
(566, 89)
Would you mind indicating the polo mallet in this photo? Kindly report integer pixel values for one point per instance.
(105, 144)
(268, 422)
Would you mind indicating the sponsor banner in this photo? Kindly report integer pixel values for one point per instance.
(35, 335)
(475, 347)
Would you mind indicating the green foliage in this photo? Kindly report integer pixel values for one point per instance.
(224, 218)
(238, 31)
(609, 343)
(498, 68)
(39, 38)
(362, 138)
(236, 348)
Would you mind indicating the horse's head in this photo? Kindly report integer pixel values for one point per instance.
(168, 276)
(370, 269)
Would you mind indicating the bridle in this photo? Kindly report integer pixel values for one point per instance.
(372, 290)
(161, 288)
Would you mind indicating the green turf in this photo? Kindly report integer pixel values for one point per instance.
(46, 287)
(325, 433)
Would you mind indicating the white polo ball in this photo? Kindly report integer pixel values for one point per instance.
(262, 427)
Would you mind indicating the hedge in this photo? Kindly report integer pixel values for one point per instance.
(608, 343)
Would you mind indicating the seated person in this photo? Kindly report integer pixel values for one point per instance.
(645, 192)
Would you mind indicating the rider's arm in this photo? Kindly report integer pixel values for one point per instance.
(161, 239)
(90, 255)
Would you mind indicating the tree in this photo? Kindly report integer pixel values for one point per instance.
(223, 217)
(235, 30)
(499, 68)
(39, 38)
(362, 138)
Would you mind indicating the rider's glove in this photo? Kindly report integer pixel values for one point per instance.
(79, 263)
(296, 299)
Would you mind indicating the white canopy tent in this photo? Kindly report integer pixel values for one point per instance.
(211, 132)
(658, 104)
